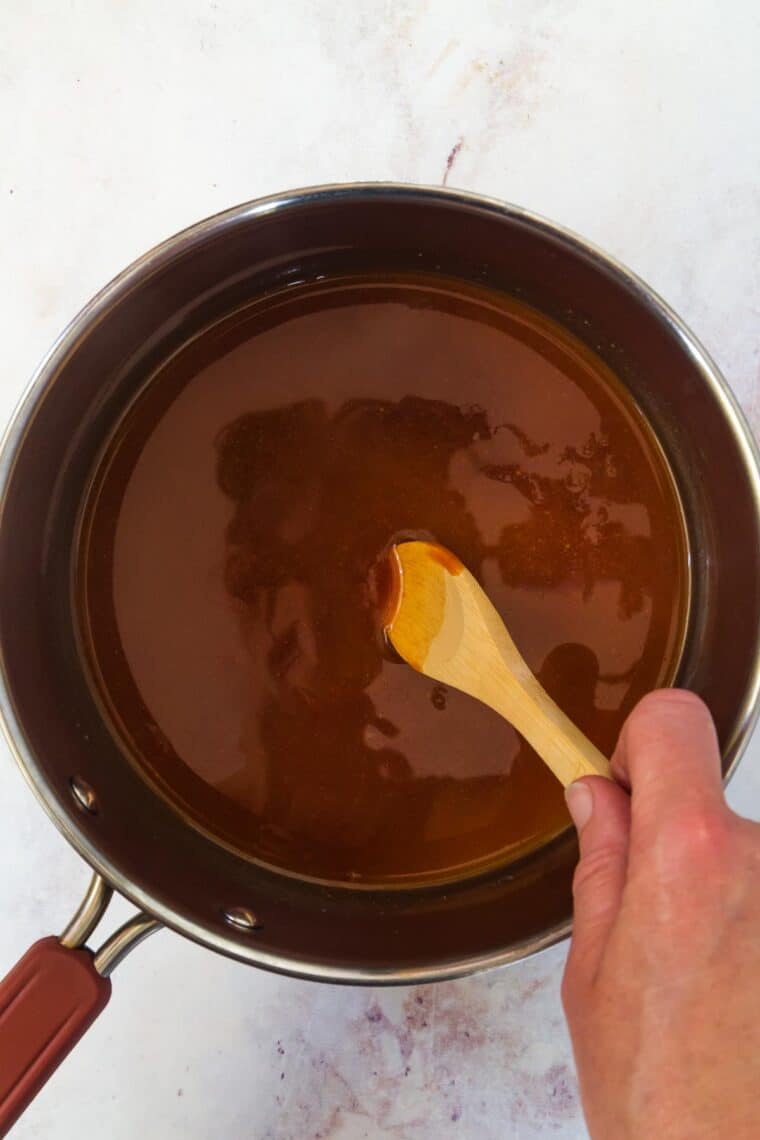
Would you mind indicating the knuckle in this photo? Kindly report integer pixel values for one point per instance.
(597, 868)
(576, 988)
(567, 991)
(698, 839)
(571, 989)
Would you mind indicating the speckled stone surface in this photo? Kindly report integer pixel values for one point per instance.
(122, 121)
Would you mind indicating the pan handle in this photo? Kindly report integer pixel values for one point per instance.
(53, 994)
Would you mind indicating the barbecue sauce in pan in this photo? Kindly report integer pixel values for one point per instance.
(228, 587)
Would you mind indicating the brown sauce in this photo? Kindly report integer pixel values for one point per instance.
(226, 573)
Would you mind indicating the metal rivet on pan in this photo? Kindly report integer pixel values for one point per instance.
(83, 794)
(240, 917)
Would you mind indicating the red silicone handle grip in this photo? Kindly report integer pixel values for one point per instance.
(47, 1001)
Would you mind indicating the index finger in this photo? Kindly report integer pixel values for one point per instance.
(668, 756)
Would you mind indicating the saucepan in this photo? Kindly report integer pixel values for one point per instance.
(175, 875)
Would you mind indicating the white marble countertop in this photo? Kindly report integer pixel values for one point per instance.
(122, 121)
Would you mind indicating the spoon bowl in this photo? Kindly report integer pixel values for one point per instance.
(440, 621)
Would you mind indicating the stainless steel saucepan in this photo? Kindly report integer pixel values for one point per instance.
(135, 843)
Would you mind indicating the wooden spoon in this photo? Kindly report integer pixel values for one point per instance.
(440, 621)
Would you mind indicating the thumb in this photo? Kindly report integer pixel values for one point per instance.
(602, 815)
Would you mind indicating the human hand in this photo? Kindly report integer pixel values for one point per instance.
(662, 984)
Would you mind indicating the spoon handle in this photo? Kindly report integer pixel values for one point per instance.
(559, 742)
(498, 675)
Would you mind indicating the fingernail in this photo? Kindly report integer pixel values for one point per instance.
(580, 804)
